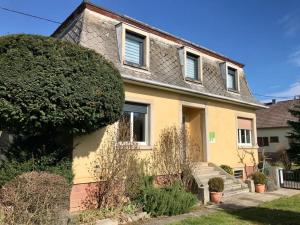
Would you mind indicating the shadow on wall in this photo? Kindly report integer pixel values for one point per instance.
(86, 144)
(264, 216)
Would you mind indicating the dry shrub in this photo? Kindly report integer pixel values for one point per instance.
(242, 155)
(285, 160)
(110, 167)
(170, 154)
(35, 198)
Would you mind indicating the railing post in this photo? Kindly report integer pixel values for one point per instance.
(279, 177)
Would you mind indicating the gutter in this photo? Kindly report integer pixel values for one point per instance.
(182, 90)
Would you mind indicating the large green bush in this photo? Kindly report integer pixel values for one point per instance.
(170, 200)
(48, 85)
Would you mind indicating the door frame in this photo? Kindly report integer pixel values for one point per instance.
(204, 125)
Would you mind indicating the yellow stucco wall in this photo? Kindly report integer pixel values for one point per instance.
(166, 110)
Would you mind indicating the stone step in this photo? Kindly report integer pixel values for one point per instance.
(206, 179)
(233, 186)
(210, 174)
(235, 192)
(202, 168)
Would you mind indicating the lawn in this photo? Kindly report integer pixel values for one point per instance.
(284, 211)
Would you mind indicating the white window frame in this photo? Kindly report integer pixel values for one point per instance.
(121, 29)
(147, 126)
(240, 138)
(224, 69)
(183, 53)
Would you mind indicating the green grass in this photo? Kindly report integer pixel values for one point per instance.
(284, 211)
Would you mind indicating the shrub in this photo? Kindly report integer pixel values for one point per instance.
(227, 169)
(51, 85)
(109, 168)
(134, 181)
(35, 198)
(11, 169)
(259, 178)
(216, 184)
(170, 200)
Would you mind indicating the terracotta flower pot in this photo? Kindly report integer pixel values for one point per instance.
(215, 197)
(260, 188)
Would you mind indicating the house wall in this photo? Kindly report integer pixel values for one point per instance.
(165, 110)
(280, 132)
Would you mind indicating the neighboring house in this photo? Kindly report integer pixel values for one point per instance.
(272, 127)
(168, 81)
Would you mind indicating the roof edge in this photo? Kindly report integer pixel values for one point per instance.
(145, 82)
(156, 31)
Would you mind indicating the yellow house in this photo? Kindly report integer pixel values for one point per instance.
(168, 81)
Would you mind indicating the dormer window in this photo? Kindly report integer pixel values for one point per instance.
(192, 66)
(231, 79)
(133, 46)
(134, 49)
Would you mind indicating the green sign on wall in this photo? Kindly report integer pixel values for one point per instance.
(212, 137)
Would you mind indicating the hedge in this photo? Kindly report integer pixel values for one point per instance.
(51, 85)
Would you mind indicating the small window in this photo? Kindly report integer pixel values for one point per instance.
(134, 49)
(274, 139)
(231, 79)
(244, 137)
(262, 141)
(134, 123)
(244, 132)
(192, 66)
(238, 174)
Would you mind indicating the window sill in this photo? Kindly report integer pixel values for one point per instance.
(247, 147)
(233, 91)
(144, 147)
(136, 66)
(192, 80)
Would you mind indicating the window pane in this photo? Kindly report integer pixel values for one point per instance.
(274, 139)
(243, 136)
(248, 138)
(192, 67)
(139, 127)
(266, 141)
(230, 81)
(124, 127)
(134, 48)
(260, 141)
(231, 76)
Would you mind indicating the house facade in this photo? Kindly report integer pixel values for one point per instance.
(272, 127)
(168, 81)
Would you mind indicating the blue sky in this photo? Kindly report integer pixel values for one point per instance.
(264, 35)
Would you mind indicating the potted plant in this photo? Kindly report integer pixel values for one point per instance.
(216, 188)
(259, 181)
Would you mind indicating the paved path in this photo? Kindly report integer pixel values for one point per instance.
(239, 201)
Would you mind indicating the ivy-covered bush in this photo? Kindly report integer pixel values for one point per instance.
(35, 198)
(259, 178)
(216, 184)
(170, 200)
(227, 169)
(48, 85)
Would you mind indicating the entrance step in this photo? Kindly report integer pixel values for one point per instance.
(235, 192)
(203, 171)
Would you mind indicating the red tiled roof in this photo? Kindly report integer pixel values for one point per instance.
(276, 115)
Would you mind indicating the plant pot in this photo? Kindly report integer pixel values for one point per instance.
(260, 188)
(215, 197)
